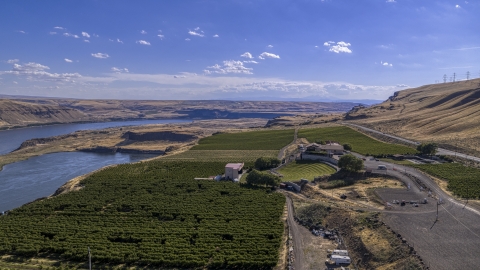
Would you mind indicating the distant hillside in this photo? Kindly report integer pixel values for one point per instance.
(17, 113)
(23, 111)
(446, 113)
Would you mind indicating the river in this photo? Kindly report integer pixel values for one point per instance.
(11, 139)
(40, 176)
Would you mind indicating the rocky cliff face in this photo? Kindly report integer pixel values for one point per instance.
(16, 113)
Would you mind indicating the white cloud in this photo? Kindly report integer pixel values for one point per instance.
(119, 41)
(386, 64)
(119, 70)
(95, 35)
(68, 60)
(85, 34)
(70, 35)
(161, 36)
(53, 33)
(59, 28)
(38, 72)
(100, 55)
(86, 40)
(340, 47)
(187, 39)
(12, 61)
(250, 62)
(401, 85)
(391, 1)
(15, 82)
(229, 66)
(457, 6)
(143, 42)
(21, 32)
(198, 34)
(265, 55)
(179, 76)
(143, 32)
(270, 46)
(247, 55)
(216, 35)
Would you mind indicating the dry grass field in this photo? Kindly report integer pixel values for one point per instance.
(447, 113)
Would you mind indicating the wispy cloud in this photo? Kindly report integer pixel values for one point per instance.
(70, 35)
(143, 32)
(85, 34)
(266, 55)
(100, 55)
(37, 72)
(119, 41)
(229, 66)
(198, 34)
(53, 33)
(247, 55)
(21, 32)
(119, 70)
(187, 39)
(86, 40)
(161, 36)
(340, 47)
(59, 28)
(391, 1)
(68, 60)
(12, 61)
(270, 46)
(216, 36)
(250, 62)
(143, 42)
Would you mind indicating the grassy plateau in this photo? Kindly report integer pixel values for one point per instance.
(304, 170)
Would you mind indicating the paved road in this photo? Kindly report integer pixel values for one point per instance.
(296, 236)
(440, 151)
(281, 153)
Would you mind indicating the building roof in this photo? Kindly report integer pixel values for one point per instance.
(331, 147)
(235, 166)
(339, 257)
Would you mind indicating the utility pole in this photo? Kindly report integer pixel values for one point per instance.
(454, 75)
(89, 259)
(468, 75)
(444, 78)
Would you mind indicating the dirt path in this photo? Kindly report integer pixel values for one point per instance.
(281, 153)
(296, 232)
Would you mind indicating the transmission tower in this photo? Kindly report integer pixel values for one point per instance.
(454, 75)
(444, 78)
(468, 75)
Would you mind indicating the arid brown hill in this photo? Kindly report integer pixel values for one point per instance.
(445, 113)
(18, 113)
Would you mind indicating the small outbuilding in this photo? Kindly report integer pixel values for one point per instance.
(233, 170)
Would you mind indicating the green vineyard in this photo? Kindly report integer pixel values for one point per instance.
(227, 156)
(304, 170)
(462, 181)
(153, 214)
(360, 143)
(252, 140)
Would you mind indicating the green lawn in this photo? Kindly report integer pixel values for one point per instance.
(361, 143)
(252, 140)
(305, 170)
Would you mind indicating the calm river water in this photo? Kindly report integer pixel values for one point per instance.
(37, 177)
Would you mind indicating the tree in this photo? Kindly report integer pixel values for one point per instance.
(264, 163)
(262, 178)
(350, 163)
(347, 147)
(427, 148)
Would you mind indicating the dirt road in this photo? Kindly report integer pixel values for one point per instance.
(296, 232)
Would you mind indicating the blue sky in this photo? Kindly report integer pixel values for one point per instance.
(305, 49)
